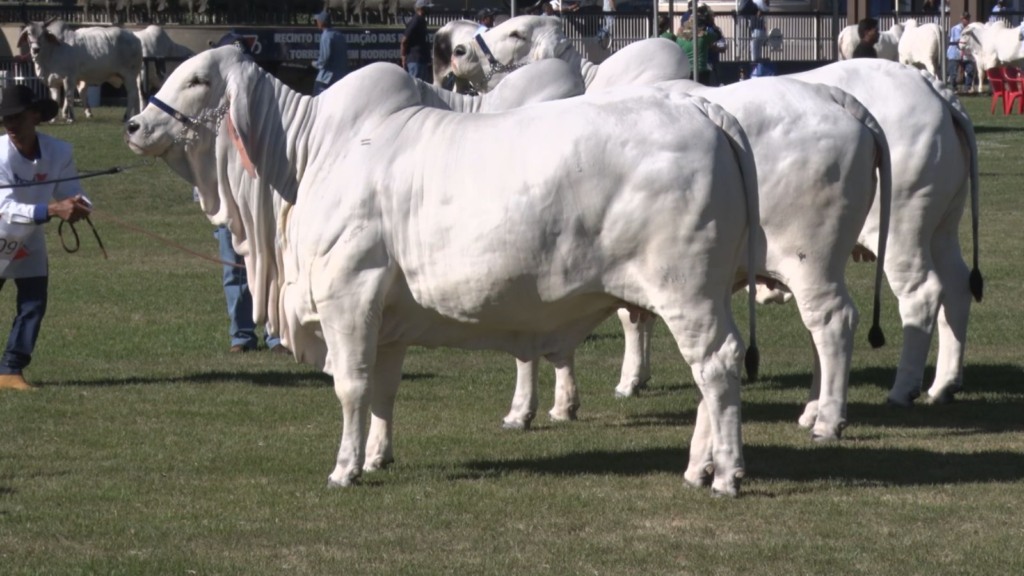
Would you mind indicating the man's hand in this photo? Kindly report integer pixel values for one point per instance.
(70, 209)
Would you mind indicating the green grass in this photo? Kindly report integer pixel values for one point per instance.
(148, 449)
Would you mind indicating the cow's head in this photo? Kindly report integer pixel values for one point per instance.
(38, 39)
(486, 58)
(181, 124)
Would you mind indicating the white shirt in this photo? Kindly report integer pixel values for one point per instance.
(21, 205)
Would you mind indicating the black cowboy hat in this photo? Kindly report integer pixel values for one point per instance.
(18, 98)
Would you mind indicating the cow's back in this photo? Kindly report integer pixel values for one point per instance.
(502, 218)
(106, 51)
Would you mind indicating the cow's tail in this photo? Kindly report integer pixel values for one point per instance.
(883, 163)
(745, 158)
(965, 127)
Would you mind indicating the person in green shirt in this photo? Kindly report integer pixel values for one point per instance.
(707, 36)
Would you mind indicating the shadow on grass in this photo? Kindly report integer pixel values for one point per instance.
(1001, 378)
(279, 378)
(983, 129)
(834, 463)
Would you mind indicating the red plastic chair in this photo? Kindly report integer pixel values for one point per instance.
(997, 81)
(1014, 90)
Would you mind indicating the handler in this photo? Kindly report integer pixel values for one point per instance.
(27, 156)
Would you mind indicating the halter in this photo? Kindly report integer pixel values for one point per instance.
(496, 66)
(193, 123)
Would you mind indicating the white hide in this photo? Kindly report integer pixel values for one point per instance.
(887, 46)
(156, 43)
(992, 45)
(407, 233)
(921, 46)
(931, 141)
(87, 55)
(524, 39)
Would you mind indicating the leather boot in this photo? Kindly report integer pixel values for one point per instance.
(13, 382)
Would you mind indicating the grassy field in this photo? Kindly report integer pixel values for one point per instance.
(148, 449)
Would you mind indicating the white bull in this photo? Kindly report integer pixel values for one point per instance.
(393, 244)
(992, 45)
(887, 46)
(87, 56)
(931, 141)
(921, 46)
(820, 200)
(517, 41)
(156, 43)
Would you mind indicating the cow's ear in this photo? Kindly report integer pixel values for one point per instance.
(23, 39)
(51, 38)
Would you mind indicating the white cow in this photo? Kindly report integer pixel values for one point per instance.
(887, 46)
(931, 140)
(992, 45)
(85, 56)
(393, 243)
(523, 39)
(156, 43)
(804, 112)
(922, 46)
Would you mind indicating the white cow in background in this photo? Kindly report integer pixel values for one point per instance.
(887, 46)
(843, 133)
(992, 45)
(156, 43)
(85, 56)
(523, 39)
(420, 256)
(922, 46)
(931, 140)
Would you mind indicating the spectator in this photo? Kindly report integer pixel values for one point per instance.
(706, 38)
(239, 301)
(333, 60)
(753, 12)
(999, 7)
(485, 18)
(28, 156)
(415, 47)
(960, 68)
(604, 34)
(867, 30)
(665, 28)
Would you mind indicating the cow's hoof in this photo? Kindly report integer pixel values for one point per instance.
(902, 400)
(810, 415)
(699, 476)
(343, 481)
(566, 416)
(377, 464)
(825, 434)
(944, 397)
(727, 487)
(516, 424)
(628, 389)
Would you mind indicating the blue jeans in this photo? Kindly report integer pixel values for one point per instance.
(419, 70)
(31, 302)
(236, 292)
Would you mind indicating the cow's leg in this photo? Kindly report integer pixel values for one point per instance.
(918, 293)
(831, 318)
(350, 324)
(702, 463)
(810, 414)
(637, 326)
(524, 401)
(710, 344)
(132, 87)
(386, 377)
(954, 312)
(69, 100)
(83, 95)
(567, 396)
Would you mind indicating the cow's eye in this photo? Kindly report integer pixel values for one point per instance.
(460, 50)
(198, 82)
